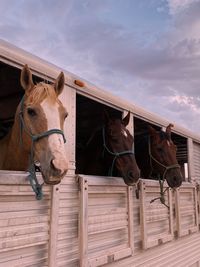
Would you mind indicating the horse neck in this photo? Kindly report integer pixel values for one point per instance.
(17, 155)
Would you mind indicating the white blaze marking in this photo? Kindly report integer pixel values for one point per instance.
(124, 133)
(56, 142)
(168, 143)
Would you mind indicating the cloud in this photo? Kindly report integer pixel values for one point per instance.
(176, 6)
(146, 53)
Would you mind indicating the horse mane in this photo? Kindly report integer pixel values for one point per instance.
(41, 91)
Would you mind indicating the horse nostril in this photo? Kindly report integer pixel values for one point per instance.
(177, 182)
(53, 167)
(133, 175)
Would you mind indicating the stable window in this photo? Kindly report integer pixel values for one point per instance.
(89, 121)
(141, 139)
(10, 95)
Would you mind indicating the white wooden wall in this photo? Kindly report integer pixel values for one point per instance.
(196, 161)
(24, 222)
(97, 221)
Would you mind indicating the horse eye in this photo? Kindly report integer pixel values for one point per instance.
(31, 112)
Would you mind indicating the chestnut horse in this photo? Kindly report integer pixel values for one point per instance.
(109, 152)
(37, 132)
(156, 156)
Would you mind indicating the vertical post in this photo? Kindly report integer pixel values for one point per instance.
(54, 217)
(68, 98)
(191, 171)
(171, 226)
(143, 215)
(177, 209)
(83, 222)
(196, 207)
(130, 218)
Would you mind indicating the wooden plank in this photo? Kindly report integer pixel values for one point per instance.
(31, 240)
(130, 218)
(143, 214)
(54, 217)
(83, 222)
(181, 214)
(103, 181)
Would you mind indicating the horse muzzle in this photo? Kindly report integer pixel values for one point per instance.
(131, 177)
(174, 178)
(54, 171)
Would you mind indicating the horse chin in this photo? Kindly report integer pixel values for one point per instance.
(49, 180)
(131, 178)
(129, 182)
(174, 181)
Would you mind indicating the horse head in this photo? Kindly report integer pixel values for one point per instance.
(119, 143)
(43, 115)
(162, 152)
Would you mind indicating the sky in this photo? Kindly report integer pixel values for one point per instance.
(145, 51)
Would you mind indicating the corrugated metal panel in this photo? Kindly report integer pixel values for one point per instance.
(196, 161)
(24, 223)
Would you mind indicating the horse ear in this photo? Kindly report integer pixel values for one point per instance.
(26, 78)
(126, 119)
(151, 130)
(59, 83)
(168, 130)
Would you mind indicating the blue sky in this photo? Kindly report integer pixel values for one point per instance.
(146, 51)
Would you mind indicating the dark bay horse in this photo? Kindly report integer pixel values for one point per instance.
(109, 152)
(37, 132)
(156, 156)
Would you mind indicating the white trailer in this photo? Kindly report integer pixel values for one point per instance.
(88, 220)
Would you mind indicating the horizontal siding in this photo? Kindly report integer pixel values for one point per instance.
(25, 226)
(24, 223)
(183, 252)
(196, 160)
(67, 244)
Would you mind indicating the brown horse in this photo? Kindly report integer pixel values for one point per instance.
(109, 152)
(156, 156)
(38, 123)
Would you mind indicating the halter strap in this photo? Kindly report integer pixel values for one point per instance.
(115, 154)
(173, 166)
(37, 188)
(161, 182)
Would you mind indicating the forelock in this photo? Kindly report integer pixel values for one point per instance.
(42, 91)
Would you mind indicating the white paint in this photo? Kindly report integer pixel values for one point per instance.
(56, 142)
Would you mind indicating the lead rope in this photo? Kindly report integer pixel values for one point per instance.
(37, 188)
(162, 193)
(161, 181)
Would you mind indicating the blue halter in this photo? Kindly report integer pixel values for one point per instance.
(37, 188)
